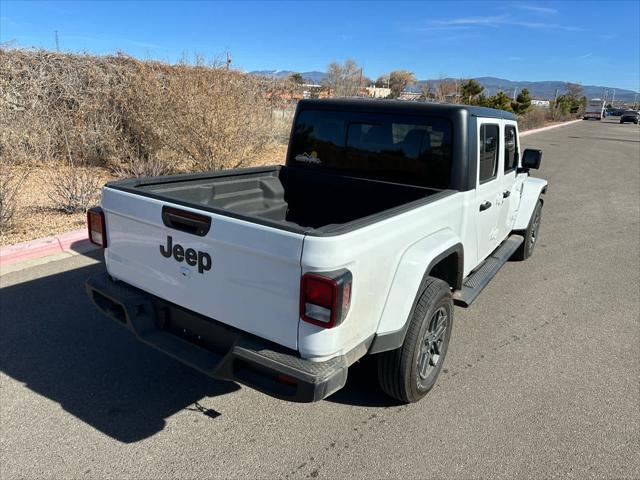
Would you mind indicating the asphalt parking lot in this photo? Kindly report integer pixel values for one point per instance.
(542, 377)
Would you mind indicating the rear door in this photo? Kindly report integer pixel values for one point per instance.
(488, 187)
(239, 273)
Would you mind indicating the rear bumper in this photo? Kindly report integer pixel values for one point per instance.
(215, 349)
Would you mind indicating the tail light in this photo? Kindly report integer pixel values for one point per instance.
(325, 297)
(97, 228)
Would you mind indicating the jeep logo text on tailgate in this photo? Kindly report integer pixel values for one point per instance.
(191, 256)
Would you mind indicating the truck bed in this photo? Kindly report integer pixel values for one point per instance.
(296, 199)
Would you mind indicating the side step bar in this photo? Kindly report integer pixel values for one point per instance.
(473, 284)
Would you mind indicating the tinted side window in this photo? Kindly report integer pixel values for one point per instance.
(510, 148)
(488, 152)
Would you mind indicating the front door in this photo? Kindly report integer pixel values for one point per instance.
(489, 192)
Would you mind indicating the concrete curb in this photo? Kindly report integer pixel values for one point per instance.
(74, 241)
(550, 127)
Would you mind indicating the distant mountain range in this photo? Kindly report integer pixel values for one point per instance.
(310, 77)
(545, 89)
(492, 85)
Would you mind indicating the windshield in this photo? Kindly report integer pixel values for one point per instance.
(399, 148)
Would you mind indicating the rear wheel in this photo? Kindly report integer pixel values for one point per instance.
(530, 235)
(409, 372)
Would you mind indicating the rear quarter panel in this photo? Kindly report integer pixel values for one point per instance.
(374, 254)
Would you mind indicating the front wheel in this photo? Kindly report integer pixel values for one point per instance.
(409, 372)
(530, 235)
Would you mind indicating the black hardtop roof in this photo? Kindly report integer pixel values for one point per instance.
(399, 106)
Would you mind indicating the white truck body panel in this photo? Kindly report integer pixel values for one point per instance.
(374, 255)
(409, 274)
(254, 281)
(530, 192)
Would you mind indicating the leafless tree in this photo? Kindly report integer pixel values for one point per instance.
(343, 80)
(447, 90)
(399, 80)
(427, 90)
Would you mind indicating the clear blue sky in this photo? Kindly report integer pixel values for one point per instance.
(593, 43)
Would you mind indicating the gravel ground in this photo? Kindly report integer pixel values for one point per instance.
(37, 216)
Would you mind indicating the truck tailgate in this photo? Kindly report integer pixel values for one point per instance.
(253, 281)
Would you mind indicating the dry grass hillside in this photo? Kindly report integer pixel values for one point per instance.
(68, 122)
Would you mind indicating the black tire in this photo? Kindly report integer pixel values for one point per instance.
(530, 235)
(409, 372)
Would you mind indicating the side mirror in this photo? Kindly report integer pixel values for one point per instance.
(531, 158)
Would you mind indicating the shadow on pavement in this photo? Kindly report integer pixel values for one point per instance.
(362, 387)
(55, 341)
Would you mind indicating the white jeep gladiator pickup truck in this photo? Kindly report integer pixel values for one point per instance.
(385, 215)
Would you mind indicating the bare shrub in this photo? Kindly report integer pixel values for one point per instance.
(10, 184)
(213, 117)
(152, 167)
(534, 118)
(74, 190)
(110, 110)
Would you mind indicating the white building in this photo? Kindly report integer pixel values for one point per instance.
(379, 92)
(541, 103)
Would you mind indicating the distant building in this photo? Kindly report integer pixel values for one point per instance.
(541, 103)
(378, 92)
(313, 90)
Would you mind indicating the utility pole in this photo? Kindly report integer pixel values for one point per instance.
(359, 83)
(228, 59)
(57, 43)
(613, 99)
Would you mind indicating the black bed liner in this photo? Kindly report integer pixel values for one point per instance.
(289, 198)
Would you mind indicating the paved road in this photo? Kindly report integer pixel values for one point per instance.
(541, 380)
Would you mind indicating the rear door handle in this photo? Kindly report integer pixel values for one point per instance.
(484, 206)
(506, 193)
